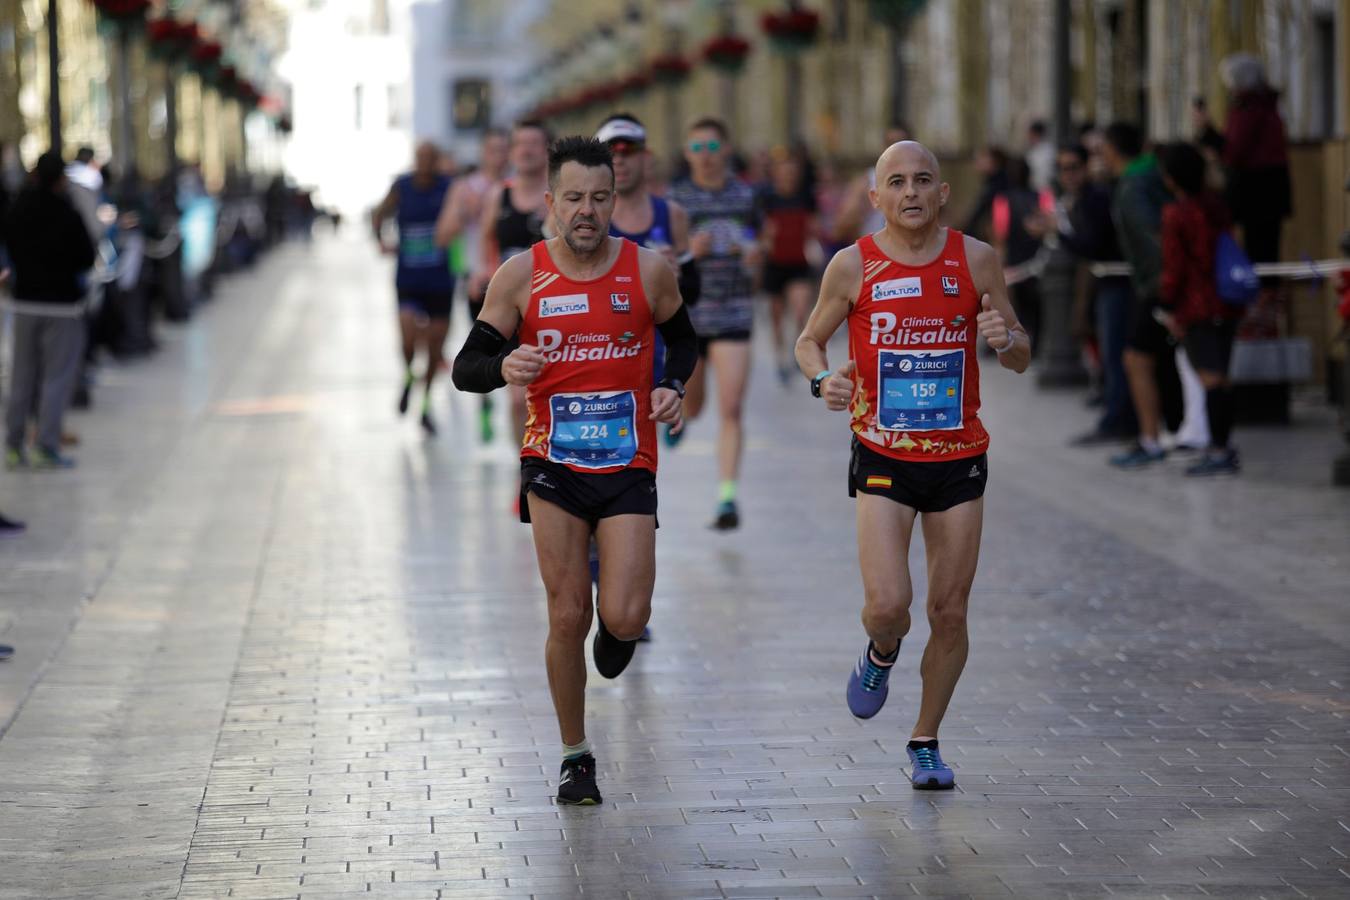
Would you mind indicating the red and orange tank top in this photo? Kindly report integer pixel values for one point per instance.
(912, 333)
(589, 408)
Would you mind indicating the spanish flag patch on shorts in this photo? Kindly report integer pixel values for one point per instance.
(878, 481)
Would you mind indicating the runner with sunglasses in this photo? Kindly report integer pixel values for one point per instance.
(723, 226)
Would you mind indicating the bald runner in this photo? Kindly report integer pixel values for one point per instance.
(916, 297)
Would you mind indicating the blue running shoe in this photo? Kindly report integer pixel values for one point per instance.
(1225, 462)
(1137, 458)
(927, 770)
(867, 687)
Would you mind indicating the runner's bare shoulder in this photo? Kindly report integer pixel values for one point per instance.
(843, 274)
(513, 278)
(978, 253)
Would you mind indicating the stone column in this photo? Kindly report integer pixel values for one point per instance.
(1058, 360)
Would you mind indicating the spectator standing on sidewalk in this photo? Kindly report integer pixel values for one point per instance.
(1136, 210)
(50, 252)
(1085, 229)
(1191, 226)
(1256, 157)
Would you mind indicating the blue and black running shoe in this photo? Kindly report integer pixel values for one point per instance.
(867, 684)
(928, 771)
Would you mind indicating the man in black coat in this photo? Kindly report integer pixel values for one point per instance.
(50, 252)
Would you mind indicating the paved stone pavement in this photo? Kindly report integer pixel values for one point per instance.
(272, 643)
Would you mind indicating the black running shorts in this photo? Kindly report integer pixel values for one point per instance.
(432, 304)
(777, 277)
(733, 337)
(590, 496)
(924, 486)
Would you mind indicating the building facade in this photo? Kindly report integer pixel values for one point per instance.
(141, 95)
(468, 59)
(964, 74)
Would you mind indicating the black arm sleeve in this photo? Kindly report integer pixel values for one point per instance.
(690, 282)
(681, 345)
(478, 366)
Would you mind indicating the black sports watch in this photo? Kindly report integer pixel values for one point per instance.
(674, 384)
(818, 381)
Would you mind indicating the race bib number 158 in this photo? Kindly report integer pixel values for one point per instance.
(920, 390)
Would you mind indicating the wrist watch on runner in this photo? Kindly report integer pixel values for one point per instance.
(674, 384)
(818, 381)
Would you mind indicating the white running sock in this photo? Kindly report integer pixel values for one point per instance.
(572, 751)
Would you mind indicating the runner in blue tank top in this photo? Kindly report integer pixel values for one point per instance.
(423, 280)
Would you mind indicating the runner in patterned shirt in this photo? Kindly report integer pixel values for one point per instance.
(723, 227)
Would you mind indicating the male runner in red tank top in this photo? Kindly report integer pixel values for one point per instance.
(915, 295)
(586, 307)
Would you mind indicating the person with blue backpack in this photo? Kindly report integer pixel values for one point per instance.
(1205, 282)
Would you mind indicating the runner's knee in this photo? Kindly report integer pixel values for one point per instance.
(568, 619)
(731, 408)
(886, 610)
(627, 623)
(947, 618)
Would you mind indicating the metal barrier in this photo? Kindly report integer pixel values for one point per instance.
(1309, 270)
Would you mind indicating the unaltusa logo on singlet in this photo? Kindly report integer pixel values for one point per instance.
(898, 288)
(569, 305)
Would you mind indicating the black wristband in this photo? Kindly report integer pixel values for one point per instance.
(673, 384)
